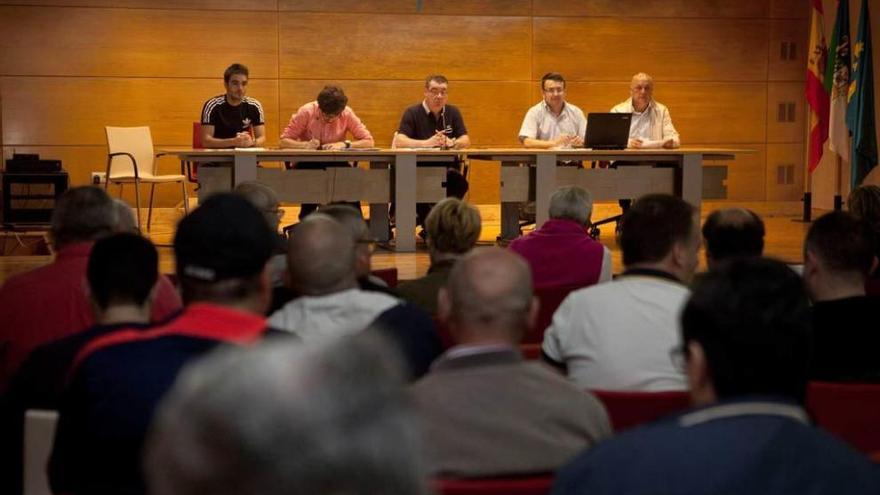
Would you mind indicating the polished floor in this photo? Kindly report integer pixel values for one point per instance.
(785, 235)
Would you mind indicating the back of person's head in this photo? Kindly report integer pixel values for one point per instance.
(864, 202)
(221, 249)
(263, 198)
(571, 203)
(453, 227)
(488, 296)
(122, 270)
(288, 418)
(353, 220)
(126, 218)
(321, 256)
(751, 320)
(653, 225)
(843, 244)
(332, 100)
(732, 233)
(82, 214)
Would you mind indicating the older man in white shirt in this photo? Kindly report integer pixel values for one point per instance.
(651, 125)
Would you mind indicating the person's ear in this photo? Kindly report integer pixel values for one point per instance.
(699, 375)
(444, 305)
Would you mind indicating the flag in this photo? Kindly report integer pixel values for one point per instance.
(817, 94)
(837, 81)
(860, 107)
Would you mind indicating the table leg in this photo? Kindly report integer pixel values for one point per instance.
(692, 178)
(379, 214)
(244, 168)
(509, 214)
(405, 200)
(545, 184)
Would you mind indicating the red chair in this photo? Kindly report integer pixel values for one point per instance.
(533, 485)
(191, 169)
(629, 409)
(850, 411)
(389, 275)
(530, 351)
(550, 298)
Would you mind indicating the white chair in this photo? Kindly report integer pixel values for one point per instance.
(130, 160)
(39, 435)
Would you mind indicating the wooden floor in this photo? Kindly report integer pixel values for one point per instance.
(784, 240)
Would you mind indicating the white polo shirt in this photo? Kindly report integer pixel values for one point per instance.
(618, 335)
(541, 123)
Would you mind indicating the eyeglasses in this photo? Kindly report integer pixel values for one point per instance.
(437, 93)
(555, 91)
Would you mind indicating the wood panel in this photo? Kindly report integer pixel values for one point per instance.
(746, 177)
(785, 94)
(669, 49)
(492, 111)
(792, 157)
(249, 5)
(790, 9)
(641, 8)
(404, 47)
(74, 111)
(797, 34)
(460, 7)
(702, 112)
(130, 42)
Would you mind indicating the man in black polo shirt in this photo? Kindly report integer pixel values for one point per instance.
(233, 120)
(434, 124)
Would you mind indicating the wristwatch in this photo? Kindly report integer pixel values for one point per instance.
(347, 144)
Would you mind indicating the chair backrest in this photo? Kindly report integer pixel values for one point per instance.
(629, 409)
(134, 140)
(851, 411)
(530, 351)
(197, 135)
(389, 275)
(39, 434)
(550, 298)
(533, 485)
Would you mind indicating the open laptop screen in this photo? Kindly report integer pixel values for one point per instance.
(607, 131)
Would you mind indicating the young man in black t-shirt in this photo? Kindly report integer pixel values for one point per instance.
(233, 119)
(434, 124)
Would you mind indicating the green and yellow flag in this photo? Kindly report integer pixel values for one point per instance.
(860, 107)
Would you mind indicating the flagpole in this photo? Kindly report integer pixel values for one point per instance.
(838, 199)
(808, 197)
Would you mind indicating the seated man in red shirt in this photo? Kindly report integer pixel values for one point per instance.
(561, 252)
(50, 302)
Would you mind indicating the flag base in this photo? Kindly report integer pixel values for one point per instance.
(808, 209)
(838, 202)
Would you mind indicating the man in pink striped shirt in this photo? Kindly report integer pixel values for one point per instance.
(325, 124)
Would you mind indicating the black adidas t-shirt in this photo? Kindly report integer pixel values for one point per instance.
(229, 120)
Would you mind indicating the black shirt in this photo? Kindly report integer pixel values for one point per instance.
(846, 340)
(229, 120)
(418, 123)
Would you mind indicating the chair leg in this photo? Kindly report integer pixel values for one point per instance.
(150, 209)
(137, 203)
(185, 198)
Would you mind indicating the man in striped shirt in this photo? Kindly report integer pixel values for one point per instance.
(233, 120)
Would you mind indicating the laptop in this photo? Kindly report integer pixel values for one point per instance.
(607, 131)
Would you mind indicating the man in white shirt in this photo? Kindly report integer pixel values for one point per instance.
(553, 122)
(619, 335)
(651, 125)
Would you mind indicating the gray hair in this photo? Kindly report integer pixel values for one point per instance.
(287, 418)
(348, 216)
(83, 213)
(641, 76)
(263, 198)
(126, 217)
(491, 287)
(321, 256)
(571, 203)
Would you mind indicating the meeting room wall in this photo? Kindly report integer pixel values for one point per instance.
(731, 72)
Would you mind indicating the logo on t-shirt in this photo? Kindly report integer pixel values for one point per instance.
(246, 122)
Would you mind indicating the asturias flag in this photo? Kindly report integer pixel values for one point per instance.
(817, 93)
(837, 78)
(860, 110)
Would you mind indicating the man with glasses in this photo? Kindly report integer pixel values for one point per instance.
(651, 125)
(553, 122)
(435, 124)
(325, 124)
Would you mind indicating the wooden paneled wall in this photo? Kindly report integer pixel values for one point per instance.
(70, 67)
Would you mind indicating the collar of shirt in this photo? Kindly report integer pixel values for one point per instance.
(651, 272)
(75, 250)
(428, 110)
(562, 111)
(497, 353)
(748, 407)
(643, 112)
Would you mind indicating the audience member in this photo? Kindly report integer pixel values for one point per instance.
(122, 275)
(483, 409)
(746, 334)
(864, 202)
(116, 381)
(126, 218)
(617, 335)
(838, 256)
(287, 419)
(50, 302)
(732, 233)
(453, 228)
(561, 252)
(321, 260)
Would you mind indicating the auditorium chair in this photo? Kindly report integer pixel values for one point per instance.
(549, 298)
(628, 409)
(530, 351)
(39, 434)
(850, 411)
(130, 159)
(188, 168)
(389, 275)
(532, 485)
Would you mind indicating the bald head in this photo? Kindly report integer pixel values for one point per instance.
(488, 297)
(733, 233)
(321, 257)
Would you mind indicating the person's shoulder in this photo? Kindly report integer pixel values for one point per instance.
(575, 109)
(215, 101)
(308, 108)
(414, 109)
(452, 109)
(622, 107)
(253, 101)
(659, 107)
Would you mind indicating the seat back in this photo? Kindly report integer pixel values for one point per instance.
(533, 485)
(197, 135)
(850, 411)
(389, 275)
(530, 351)
(549, 298)
(629, 409)
(136, 141)
(39, 434)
